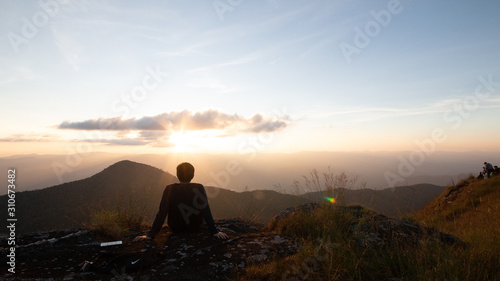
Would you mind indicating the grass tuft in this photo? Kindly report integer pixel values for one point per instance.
(328, 250)
(115, 221)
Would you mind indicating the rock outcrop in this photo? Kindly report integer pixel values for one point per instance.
(78, 255)
(371, 229)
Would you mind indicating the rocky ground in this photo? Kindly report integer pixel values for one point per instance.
(78, 255)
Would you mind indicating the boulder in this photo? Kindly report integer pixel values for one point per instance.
(305, 208)
(371, 229)
(377, 230)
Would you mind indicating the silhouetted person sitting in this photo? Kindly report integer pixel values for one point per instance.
(186, 205)
(488, 168)
(484, 172)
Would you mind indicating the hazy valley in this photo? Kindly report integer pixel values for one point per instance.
(259, 171)
(138, 186)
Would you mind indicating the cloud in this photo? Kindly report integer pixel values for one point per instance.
(270, 126)
(367, 114)
(129, 142)
(132, 138)
(20, 72)
(183, 120)
(153, 135)
(31, 138)
(156, 130)
(115, 124)
(268, 52)
(260, 124)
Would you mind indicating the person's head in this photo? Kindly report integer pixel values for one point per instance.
(185, 172)
(485, 163)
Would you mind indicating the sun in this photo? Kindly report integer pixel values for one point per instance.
(198, 141)
(182, 141)
(132, 135)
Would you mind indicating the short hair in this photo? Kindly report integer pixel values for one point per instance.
(185, 172)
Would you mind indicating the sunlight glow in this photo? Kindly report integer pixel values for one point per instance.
(132, 135)
(182, 141)
(198, 141)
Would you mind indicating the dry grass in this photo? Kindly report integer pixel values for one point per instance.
(115, 221)
(473, 217)
(329, 253)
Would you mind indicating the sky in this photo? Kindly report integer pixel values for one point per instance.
(239, 76)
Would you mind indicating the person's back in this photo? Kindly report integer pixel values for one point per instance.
(188, 203)
(489, 167)
(185, 204)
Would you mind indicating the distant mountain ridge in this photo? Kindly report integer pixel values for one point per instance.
(125, 182)
(69, 204)
(392, 202)
(259, 171)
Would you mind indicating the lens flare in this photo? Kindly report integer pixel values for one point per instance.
(332, 200)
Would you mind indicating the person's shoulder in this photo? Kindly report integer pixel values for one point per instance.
(195, 185)
(171, 186)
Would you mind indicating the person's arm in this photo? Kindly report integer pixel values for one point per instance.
(207, 216)
(162, 213)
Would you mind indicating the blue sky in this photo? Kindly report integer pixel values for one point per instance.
(217, 75)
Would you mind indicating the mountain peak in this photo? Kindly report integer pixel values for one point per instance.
(129, 171)
(129, 165)
(124, 181)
